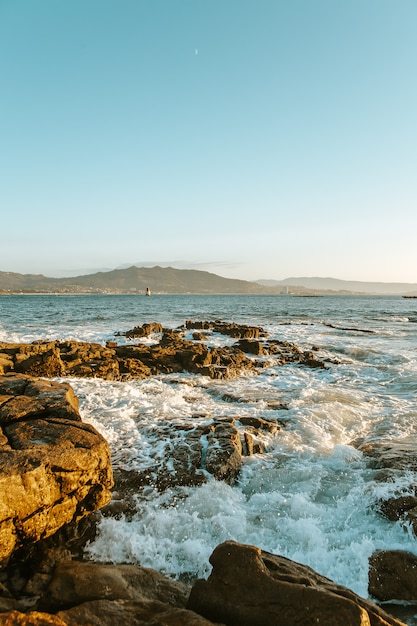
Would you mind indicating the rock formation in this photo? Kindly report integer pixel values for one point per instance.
(188, 455)
(54, 468)
(250, 587)
(247, 587)
(172, 354)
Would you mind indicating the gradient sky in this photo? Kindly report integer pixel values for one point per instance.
(252, 138)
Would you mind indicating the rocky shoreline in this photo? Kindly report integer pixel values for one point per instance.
(57, 478)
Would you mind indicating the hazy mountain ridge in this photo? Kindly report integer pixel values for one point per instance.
(336, 284)
(171, 280)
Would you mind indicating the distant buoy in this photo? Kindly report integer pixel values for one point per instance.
(148, 291)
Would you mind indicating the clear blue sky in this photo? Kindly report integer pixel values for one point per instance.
(252, 138)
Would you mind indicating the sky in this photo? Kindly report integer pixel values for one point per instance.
(257, 139)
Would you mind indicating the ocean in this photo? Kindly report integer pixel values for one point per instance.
(312, 496)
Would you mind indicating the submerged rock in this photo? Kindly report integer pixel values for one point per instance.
(188, 455)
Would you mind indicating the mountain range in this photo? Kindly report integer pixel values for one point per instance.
(180, 281)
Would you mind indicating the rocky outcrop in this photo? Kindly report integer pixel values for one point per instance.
(172, 354)
(107, 595)
(188, 455)
(250, 587)
(237, 331)
(247, 587)
(54, 469)
(143, 331)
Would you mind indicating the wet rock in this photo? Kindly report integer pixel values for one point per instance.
(259, 424)
(172, 354)
(251, 346)
(390, 457)
(144, 331)
(237, 331)
(53, 468)
(250, 587)
(199, 336)
(224, 452)
(199, 325)
(401, 508)
(393, 576)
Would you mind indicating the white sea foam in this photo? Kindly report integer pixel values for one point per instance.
(312, 496)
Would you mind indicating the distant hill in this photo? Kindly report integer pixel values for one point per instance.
(352, 286)
(130, 280)
(170, 280)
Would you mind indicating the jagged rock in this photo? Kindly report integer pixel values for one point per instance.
(393, 576)
(173, 354)
(251, 346)
(188, 455)
(199, 336)
(144, 331)
(237, 331)
(53, 468)
(250, 587)
(403, 508)
(258, 424)
(224, 451)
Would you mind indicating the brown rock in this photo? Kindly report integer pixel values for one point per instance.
(249, 587)
(391, 456)
(74, 583)
(34, 618)
(144, 331)
(224, 452)
(257, 423)
(393, 576)
(52, 469)
(171, 355)
(128, 613)
(251, 346)
(402, 508)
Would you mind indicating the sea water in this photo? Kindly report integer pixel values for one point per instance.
(311, 496)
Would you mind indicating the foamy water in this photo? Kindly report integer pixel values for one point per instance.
(312, 496)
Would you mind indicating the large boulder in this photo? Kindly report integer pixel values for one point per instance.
(250, 587)
(54, 469)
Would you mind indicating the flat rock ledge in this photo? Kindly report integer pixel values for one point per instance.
(54, 469)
